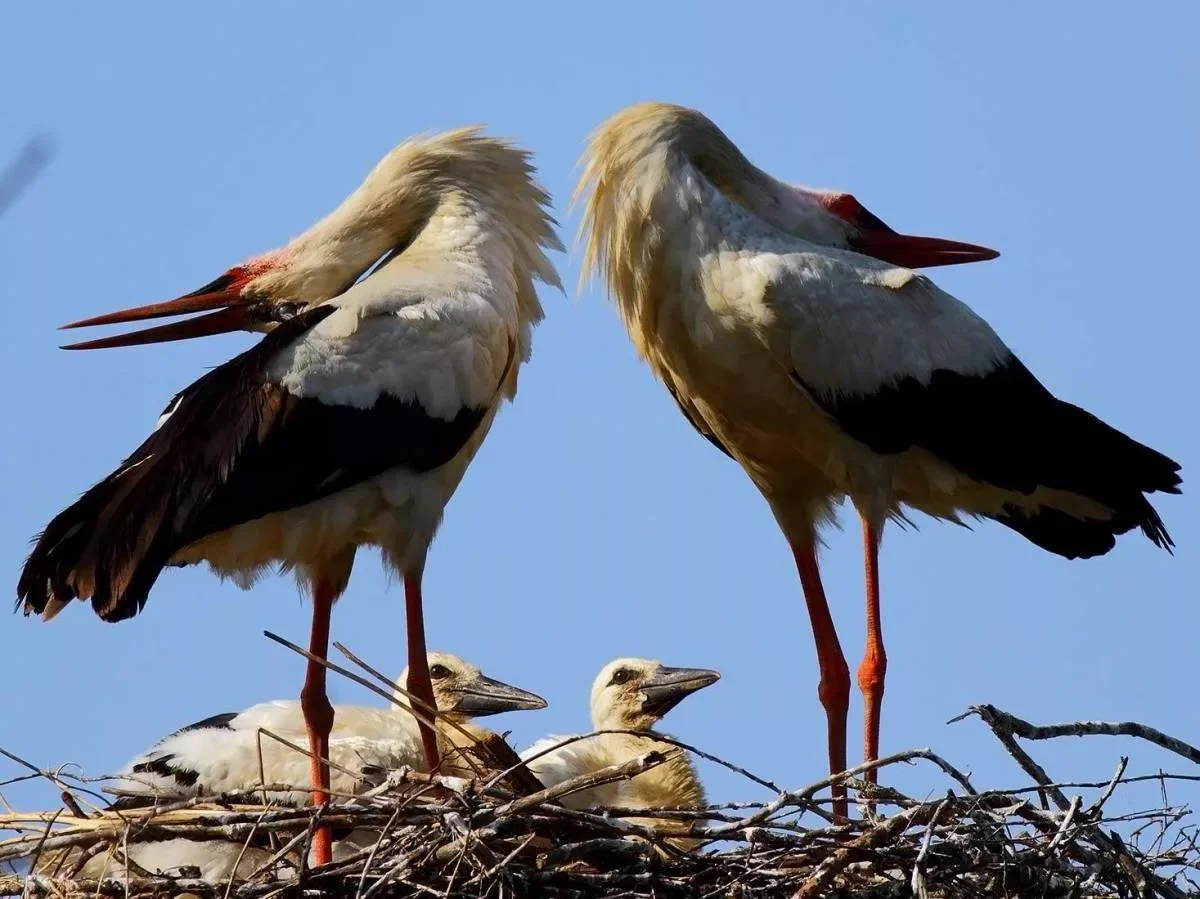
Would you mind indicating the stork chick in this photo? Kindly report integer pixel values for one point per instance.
(629, 695)
(222, 755)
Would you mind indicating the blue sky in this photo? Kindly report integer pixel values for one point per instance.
(594, 523)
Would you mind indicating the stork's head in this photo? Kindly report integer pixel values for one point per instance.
(461, 691)
(382, 218)
(634, 694)
(631, 152)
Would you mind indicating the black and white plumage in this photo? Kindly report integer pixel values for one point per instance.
(221, 754)
(238, 447)
(350, 423)
(791, 330)
(235, 754)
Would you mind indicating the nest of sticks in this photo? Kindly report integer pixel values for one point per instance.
(476, 837)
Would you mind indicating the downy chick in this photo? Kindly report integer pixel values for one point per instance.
(632, 695)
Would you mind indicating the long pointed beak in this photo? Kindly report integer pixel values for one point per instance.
(874, 237)
(484, 696)
(918, 252)
(234, 312)
(670, 686)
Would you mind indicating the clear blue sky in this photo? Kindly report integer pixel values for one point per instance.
(594, 523)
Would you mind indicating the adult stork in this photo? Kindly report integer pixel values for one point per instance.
(793, 334)
(350, 423)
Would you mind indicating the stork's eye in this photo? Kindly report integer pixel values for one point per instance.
(622, 676)
(437, 672)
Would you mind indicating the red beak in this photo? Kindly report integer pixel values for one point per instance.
(918, 252)
(875, 238)
(234, 313)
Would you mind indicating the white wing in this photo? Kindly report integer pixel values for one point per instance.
(848, 324)
(445, 344)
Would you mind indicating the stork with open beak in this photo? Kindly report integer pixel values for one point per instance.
(792, 332)
(350, 423)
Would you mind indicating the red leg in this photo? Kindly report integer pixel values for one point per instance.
(419, 683)
(834, 686)
(874, 664)
(318, 713)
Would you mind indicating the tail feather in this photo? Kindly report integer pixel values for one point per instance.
(1095, 459)
(1078, 452)
(1077, 538)
(1005, 429)
(108, 546)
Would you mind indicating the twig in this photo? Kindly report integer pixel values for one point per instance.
(825, 872)
(1096, 808)
(418, 711)
(917, 882)
(625, 771)
(1027, 731)
(1000, 727)
(1065, 826)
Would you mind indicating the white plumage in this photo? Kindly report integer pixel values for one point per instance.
(234, 753)
(794, 335)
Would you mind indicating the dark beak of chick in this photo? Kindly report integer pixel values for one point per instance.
(670, 686)
(484, 696)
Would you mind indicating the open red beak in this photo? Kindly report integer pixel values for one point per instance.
(233, 313)
(875, 238)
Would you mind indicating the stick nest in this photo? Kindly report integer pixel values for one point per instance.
(446, 836)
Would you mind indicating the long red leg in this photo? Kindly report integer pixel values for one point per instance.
(318, 713)
(419, 683)
(874, 664)
(834, 686)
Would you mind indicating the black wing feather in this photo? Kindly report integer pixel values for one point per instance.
(1006, 429)
(235, 447)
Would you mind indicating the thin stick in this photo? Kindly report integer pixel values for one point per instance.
(1027, 731)
(1000, 727)
(1096, 808)
(420, 715)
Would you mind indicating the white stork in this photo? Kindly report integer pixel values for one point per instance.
(238, 753)
(228, 753)
(629, 695)
(350, 423)
(791, 331)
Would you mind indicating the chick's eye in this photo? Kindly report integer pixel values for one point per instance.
(437, 672)
(621, 676)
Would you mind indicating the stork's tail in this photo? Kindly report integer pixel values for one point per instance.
(1096, 461)
(102, 547)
